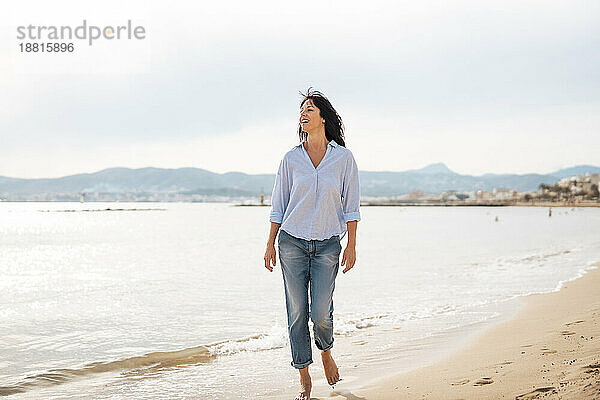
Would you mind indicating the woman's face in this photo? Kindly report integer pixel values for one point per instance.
(310, 116)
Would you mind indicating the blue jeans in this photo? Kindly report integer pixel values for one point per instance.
(307, 263)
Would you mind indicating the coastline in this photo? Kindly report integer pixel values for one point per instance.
(590, 204)
(458, 203)
(550, 348)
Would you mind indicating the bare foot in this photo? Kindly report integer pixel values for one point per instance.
(331, 369)
(305, 385)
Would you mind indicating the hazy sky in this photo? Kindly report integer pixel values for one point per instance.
(499, 87)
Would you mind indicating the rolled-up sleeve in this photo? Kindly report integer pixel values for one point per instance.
(351, 191)
(281, 193)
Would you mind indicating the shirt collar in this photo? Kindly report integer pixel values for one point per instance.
(332, 143)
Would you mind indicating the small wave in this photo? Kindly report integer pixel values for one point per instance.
(539, 259)
(535, 258)
(154, 362)
(277, 336)
(591, 265)
(346, 326)
(580, 273)
(274, 339)
(148, 363)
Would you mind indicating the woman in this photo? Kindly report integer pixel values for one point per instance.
(315, 201)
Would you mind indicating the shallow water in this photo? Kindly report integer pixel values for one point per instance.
(175, 302)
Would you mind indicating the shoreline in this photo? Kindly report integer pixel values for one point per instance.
(480, 203)
(594, 204)
(585, 204)
(549, 347)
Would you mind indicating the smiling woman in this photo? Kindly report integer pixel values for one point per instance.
(315, 202)
(315, 102)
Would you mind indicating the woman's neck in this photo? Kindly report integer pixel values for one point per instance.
(316, 140)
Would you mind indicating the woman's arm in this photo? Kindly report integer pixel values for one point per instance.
(279, 201)
(270, 253)
(281, 193)
(352, 225)
(349, 257)
(351, 191)
(351, 208)
(273, 233)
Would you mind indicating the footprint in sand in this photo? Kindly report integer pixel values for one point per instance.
(574, 322)
(461, 382)
(537, 393)
(592, 368)
(483, 381)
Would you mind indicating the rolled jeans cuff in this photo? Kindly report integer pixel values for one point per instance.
(303, 365)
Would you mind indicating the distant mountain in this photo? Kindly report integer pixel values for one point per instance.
(577, 170)
(142, 180)
(438, 168)
(437, 178)
(433, 179)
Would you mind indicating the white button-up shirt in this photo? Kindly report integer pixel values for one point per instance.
(316, 203)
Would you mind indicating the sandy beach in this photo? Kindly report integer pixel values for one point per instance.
(551, 349)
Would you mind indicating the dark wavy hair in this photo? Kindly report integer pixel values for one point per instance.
(334, 127)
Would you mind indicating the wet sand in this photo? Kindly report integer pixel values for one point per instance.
(550, 349)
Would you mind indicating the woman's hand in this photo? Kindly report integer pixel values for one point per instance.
(349, 258)
(270, 255)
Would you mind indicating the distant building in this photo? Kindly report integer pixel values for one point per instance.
(502, 193)
(483, 195)
(579, 184)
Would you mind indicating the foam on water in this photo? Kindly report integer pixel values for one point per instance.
(147, 363)
(275, 338)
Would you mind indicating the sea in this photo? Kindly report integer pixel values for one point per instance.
(173, 301)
